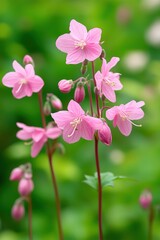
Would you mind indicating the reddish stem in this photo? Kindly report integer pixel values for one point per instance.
(49, 154)
(30, 218)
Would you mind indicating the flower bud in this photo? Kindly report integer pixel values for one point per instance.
(16, 174)
(56, 102)
(84, 67)
(47, 108)
(18, 211)
(145, 199)
(79, 93)
(25, 186)
(103, 54)
(104, 134)
(65, 85)
(28, 60)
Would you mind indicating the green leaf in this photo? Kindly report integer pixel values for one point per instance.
(107, 179)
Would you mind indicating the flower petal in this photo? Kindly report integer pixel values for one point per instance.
(99, 78)
(75, 108)
(87, 132)
(124, 126)
(94, 35)
(111, 113)
(108, 92)
(78, 30)
(62, 118)
(65, 43)
(10, 79)
(29, 70)
(36, 83)
(18, 68)
(36, 148)
(75, 56)
(92, 51)
(53, 133)
(19, 90)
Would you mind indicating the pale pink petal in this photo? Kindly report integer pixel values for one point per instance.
(38, 134)
(108, 92)
(75, 56)
(78, 30)
(70, 135)
(25, 127)
(140, 104)
(94, 123)
(114, 77)
(62, 118)
(87, 132)
(19, 90)
(92, 51)
(65, 43)
(29, 70)
(99, 78)
(112, 62)
(18, 68)
(23, 135)
(10, 79)
(111, 113)
(36, 148)
(135, 114)
(36, 83)
(124, 126)
(94, 35)
(53, 133)
(75, 108)
(28, 90)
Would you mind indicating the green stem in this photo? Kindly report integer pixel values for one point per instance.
(55, 188)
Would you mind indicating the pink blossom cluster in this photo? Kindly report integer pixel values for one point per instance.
(22, 174)
(82, 46)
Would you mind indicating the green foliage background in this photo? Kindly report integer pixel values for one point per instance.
(31, 27)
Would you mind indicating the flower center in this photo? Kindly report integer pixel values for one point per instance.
(80, 44)
(109, 82)
(74, 124)
(21, 82)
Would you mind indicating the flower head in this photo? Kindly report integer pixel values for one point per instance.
(16, 174)
(65, 85)
(39, 136)
(80, 44)
(123, 115)
(18, 210)
(75, 123)
(23, 81)
(107, 82)
(104, 134)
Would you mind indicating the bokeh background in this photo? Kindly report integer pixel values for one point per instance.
(131, 31)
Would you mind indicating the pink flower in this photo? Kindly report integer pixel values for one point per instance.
(18, 211)
(145, 199)
(104, 134)
(80, 44)
(65, 85)
(16, 174)
(56, 102)
(107, 82)
(75, 123)
(38, 135)
(25, 186)
(23, 81)
(123, 115)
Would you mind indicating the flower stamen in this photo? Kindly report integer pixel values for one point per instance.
(74, 124)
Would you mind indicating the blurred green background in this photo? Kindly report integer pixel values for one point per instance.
(131, 31)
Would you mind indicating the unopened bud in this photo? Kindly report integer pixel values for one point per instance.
(16, 174)
(145, 199)
(56, 102)
(104, 134)
(25, 186)
(84, 67)
(103, 54)
(47, 108)
(65, 85)
(79, 93)
(18, 211)
(28, 60)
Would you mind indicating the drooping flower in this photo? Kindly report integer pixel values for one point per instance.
(38, 135)
(75, 123)
(23, 81)
(18, 210)
(16, 174)
(104, 134)
(108, 82)
(123, 115)
(80, 44)
(25, 186)
(79, 93)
